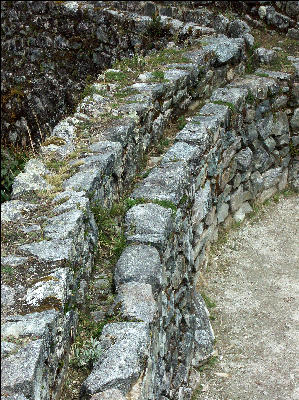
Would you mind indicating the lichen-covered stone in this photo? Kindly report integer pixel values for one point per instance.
(166, 182)
(148, 223)
(136, 301)
(125, 349)
(139, 263)
(50, 250)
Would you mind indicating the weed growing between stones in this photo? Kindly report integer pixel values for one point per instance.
(181, 122)
(225, 103)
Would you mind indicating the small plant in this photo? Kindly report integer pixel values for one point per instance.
(261, 74)
(158, 76)
(209, 303)
(115, 76)
(226, 103)
(181, 122)
(86, 356)
(250, 99)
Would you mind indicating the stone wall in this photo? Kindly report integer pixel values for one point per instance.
(235, 150)
(50, 49)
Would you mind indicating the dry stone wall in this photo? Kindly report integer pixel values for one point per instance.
(235, 150)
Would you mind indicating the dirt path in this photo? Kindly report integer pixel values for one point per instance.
(254, 280)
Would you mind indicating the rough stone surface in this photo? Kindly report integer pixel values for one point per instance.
(125, 348)
(139, 263)
(137, 301)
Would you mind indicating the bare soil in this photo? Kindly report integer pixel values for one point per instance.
(253, 279)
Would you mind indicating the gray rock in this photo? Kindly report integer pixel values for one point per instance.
(270, 143)
(279, 20)
(241, 213)
(236, 199)
(166, 182)
(271, 177)
(34, 166)
(25, 371)
(7, 295)
(234, 96)
(197, 134)
(54, 286)
(136, 301)
(225, 50)
(139, 263)
(110, 394)
(148, 223)
(181, 151)
(50, 250)
(7, 348)
(295, 120)
(31, 179)
(70, 200)
(262, 160)
(66, 225)
(244, 159)
(13, 261)
(220, 23)
(222, 212)
(13, 210)
(294, 175)
(88, 180)
(280, 124)
(238, 28)
(203, 334)
(34, 324)
(264, 56)
(292, 9)
(257, 183)
(202, 203)
(293, 33)
(125, 346)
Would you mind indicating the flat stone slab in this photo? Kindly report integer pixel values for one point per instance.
(14, 210)
(125, 350)
(50, 250)
(34, 324)
(166, 182)
(139, 263)
(148, 223)
(137, 301)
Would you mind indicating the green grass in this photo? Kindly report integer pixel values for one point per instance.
(209, 303)
(226, 103)
(181, 121)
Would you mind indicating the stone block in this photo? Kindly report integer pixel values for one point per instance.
(50, 250)
(135, 300)
(125, 350)
(244, 159)
(148, 223)
(14, 210)
(139, 263)
(166, 182)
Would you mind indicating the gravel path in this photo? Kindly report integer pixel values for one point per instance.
(253, 279)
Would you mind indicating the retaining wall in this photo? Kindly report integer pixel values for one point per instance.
(228, 155)
(234, 152)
